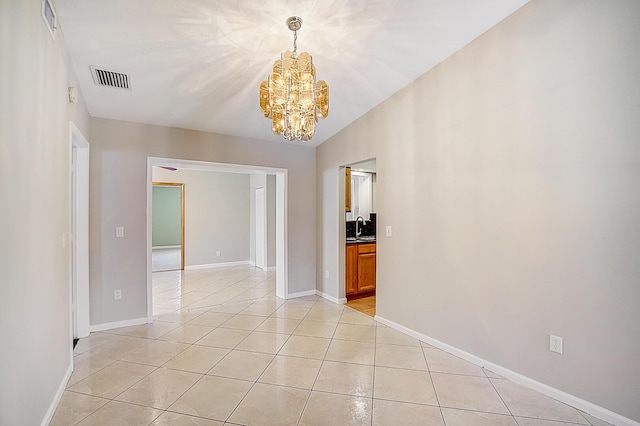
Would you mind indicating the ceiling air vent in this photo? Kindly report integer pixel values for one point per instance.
(110, 79)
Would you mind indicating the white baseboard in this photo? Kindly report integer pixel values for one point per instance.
(331, 298)
(300, 294)
(165, 247)
(265, 268)
(581, 404)
(56, 399)
(217, 265)
(117, 324)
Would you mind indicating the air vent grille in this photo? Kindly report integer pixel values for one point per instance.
(110, 78)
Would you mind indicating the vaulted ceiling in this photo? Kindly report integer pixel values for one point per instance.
(198, 64)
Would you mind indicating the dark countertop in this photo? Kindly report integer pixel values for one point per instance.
(361, 240)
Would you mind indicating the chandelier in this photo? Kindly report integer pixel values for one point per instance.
(291, 97)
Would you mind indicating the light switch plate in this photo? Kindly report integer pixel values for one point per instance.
(119, 232)
(388, 233)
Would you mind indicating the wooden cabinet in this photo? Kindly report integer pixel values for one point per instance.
(361, 270)
(352, 269)
(347, 189)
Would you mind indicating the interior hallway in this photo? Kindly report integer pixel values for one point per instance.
(223, 348)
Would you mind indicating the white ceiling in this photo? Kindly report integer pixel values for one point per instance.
(198, 64)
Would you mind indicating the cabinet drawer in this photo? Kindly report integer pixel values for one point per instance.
(367, 248)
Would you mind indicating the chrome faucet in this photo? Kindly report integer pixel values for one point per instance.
(358, 230)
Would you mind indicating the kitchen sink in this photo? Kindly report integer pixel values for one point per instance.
(368, 238)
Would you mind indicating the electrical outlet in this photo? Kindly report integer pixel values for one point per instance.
(555, 344)
(117, 294)
(218, 253)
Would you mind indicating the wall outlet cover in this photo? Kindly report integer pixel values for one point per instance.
(555, 344)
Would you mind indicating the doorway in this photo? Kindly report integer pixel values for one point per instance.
(281, 246)
(79, 233)
(167, 240)
(358, 235)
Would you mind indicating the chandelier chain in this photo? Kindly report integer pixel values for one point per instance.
(295, 43)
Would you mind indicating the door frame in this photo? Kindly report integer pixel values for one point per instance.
(282, 267)
(341, 270)
(78, 232)
(262, 263)
(181, 185)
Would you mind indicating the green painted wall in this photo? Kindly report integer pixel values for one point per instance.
(166, 216)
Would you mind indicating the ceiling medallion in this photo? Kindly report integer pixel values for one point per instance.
(291, 97)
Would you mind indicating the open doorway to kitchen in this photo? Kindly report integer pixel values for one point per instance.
(359, 235)
(167, 240)
(218, 210)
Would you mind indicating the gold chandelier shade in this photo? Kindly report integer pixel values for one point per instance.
(291, 97)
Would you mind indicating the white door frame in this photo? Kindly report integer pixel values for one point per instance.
(282, 269)
(260, 227)
(79, 232)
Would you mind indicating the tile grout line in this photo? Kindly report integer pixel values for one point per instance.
(433, 385)
(501, 398)
(373, 379)
(157, 368)
(304, 407)
(91, 413)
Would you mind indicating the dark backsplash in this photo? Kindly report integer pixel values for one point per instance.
(368, 229)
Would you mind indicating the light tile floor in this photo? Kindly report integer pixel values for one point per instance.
(224, 350)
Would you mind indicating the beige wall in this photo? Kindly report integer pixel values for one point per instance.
(510, 174)
(216, 214)
(34, 183)
(119, 152)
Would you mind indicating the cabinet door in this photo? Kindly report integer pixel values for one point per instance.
(366, 272)
(347, 189)
(351, 265)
